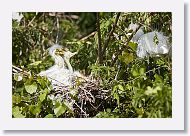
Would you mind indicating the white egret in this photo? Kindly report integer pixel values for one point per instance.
(59, 62)
(152, 43)
(68, 83)
(59, 74)
(67, 55)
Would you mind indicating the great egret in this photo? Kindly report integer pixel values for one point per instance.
(59, 62)
(67, 55)
(152, 43)
(59, 74)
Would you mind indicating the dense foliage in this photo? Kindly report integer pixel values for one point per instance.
(136, 87)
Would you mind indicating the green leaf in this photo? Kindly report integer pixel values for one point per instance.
(108, 110)
(16, 98)
(133, 46)
(126, 57)
(120, 87)
(43, 95)
(31, 88)
(135, 73)
(42, 81)
(59, 110)
(35, 109)
(141, 71)
(17, 113)
(18, 77)
(140, 111)
(49, 116)
(36, 63)
(158, 78)
(150, 90)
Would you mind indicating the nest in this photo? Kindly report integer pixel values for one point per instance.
(82, 98)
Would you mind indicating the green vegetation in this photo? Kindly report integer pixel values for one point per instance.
(135, 88)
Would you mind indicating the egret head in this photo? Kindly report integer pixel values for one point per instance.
(60, 50)
(68, 54)
(53, 49)
(64, 52)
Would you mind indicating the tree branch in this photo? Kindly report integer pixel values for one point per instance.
(152, 70)
(57, 27)
(30, 23)
(126, 44)
(89, 35)
(99, 40)
(111, 33)
(19, 70)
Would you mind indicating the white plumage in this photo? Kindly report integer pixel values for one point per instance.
(148, 46)
(59, 74)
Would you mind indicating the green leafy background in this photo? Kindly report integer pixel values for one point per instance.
(139, 88)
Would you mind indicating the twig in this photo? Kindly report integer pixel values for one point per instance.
(99, 39)
(33, 19)
(123, 32)
(146, 73)
(81, 109)
(146, 25)
(119, 66)
(93, 106)
(20, 70)
(126, 44)
(57, 22)
(81, 105)
(102, 101)
(111, 33)
(89, 35)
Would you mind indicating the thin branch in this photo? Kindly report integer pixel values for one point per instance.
(111, 33)
(81, 109)
(89, 35)
(99, 40)
(17, 70)
(126, 44)
(146, 73)
(146, 25)
(116, 76)
(33, 19)
(57, 35)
